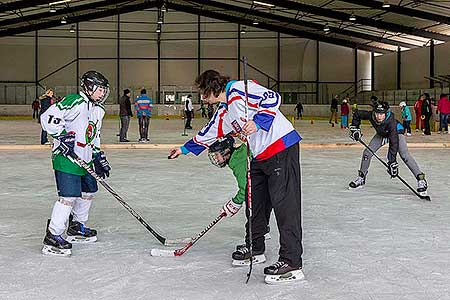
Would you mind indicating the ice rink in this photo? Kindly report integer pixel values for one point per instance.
(379, 242)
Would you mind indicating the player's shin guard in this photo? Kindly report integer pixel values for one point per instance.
(60, 215)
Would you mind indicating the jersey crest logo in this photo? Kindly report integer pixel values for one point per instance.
(91, 131)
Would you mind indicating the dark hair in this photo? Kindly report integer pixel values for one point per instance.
(211, 82)
(426, 95)
(189, 96)
(443, 95)
(143, 91)
(126, 91)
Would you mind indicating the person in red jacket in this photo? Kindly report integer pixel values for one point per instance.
(418, 110)
(345, 110)
(444, 112)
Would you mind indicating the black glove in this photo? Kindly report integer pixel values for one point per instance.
(101, 164)
(67, 143)
(393, 169)
(355, 133)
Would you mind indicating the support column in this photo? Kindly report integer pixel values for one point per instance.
(278, 60)
(77, 76)
(372, 71)
(356, 72)
(36, 63)
(399, 68)
(199, 45)
(431, 63)
(317, 71)
(158, 92)
(239, 52)
(118, 58)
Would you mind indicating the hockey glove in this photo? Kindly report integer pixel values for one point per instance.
(230, 208)
(393, 169)
(355, 133)
(67, 143)
(101, 164)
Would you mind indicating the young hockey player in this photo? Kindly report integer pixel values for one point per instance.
(275, 166)
(388, 130)
(75, 124)
(222, 153)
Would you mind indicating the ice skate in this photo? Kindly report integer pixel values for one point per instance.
(56, 245)
(78, 233)
(422, 185)
(241, 257)
(281, 272)
(358, 183)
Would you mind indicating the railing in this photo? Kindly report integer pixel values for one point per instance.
(397, 96)
(19, 92)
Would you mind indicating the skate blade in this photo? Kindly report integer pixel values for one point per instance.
(53, 251)
(356, 188)
(292, 276)
(257, 259)
(77, 239)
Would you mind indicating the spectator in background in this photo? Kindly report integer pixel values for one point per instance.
(443, 109)
(356, 118)
(203, 109)
(188, 110)
(35, 106)
(144, 106)
(334, 109)
(406, 117)
(210, 111)
(47, 100)
(345, 110)
(125, 115)
(299, 109)
(426, 112)
(418, 110)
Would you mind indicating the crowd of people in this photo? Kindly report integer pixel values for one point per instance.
(425, 108)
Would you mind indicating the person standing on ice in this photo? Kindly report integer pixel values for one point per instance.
(275, 166)
(75, 124)
(224, 153)
(388, 130)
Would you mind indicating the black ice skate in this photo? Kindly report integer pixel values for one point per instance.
(78, 233)
(56, 245)
(422, 185)
(281, 272)
(241, 257)
(359, 182)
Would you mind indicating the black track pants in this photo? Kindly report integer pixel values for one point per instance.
(275, 183)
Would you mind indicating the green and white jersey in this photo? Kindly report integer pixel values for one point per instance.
(74, 113)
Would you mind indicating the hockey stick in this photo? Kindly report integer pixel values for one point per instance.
(159, 237)
(398, 176)
(181, 251)
(249, 182)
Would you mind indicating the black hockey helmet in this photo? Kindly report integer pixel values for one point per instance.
(91, 81)
(380, 107)
(220, 152)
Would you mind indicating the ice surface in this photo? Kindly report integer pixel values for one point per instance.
(379, 242)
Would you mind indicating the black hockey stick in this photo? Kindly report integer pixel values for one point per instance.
(398, 176)
(159, 237)
(249, 182)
